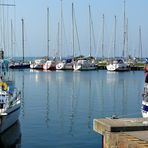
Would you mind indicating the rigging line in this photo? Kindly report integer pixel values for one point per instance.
(1, 28)
(64, 32)
(14, 33)
(93, 33)
(77, 33)
(3, 17)
(98, 45)
(7, 32)
(62, 27)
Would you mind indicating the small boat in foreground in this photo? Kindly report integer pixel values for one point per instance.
(10, 103)
(144, 108)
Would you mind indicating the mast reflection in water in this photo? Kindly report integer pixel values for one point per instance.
(59, 106)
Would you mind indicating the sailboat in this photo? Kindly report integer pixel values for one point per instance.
(10, 101)
(49, 64)
(20, 64)
(119, 64)
(86, 63)
(67, 63)
(144, 108)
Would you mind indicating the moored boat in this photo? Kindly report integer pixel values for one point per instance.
(50, 65)
(145, 68)
(85, 64)
(117, 65)
(144, 108)
(10, 104)
(66, 64)
(38, 64)
(19, 65)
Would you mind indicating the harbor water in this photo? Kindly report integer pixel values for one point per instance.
(58, 107)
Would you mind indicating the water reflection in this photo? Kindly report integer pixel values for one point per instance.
(47, 102)
(124, 88)
(11, 138)
(60, 106)
(22, 94)
(73, 106)
(90, 102)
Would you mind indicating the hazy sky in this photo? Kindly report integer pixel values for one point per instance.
(34, 13)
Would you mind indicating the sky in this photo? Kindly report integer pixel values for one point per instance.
(34, 13)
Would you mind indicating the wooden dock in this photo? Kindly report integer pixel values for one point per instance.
(122, 133)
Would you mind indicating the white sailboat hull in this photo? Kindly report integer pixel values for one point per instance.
(12, 116)
(49, 65)
(118, 67)
(84, 65)
(64, 66)
(144, 109)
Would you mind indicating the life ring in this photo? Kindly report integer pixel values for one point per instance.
(4, 86)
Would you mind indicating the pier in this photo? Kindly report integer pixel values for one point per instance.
(122, 133)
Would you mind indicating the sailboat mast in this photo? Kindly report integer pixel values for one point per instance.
(3, 22)
(75, 30)
(127, 51)
(61, 26)
(12, 38)
(124, 32)
(23, 38)
(103, 37)
(115, 36)
(73, 36)
(140, 42)
(89, 31)
(4, 29)
(48, 33)
(58, 40)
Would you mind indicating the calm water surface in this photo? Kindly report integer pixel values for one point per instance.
(58, 107)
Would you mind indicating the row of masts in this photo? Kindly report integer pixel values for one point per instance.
(75, 32)
(125, 52)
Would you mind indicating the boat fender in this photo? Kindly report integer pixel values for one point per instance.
(3, 85)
